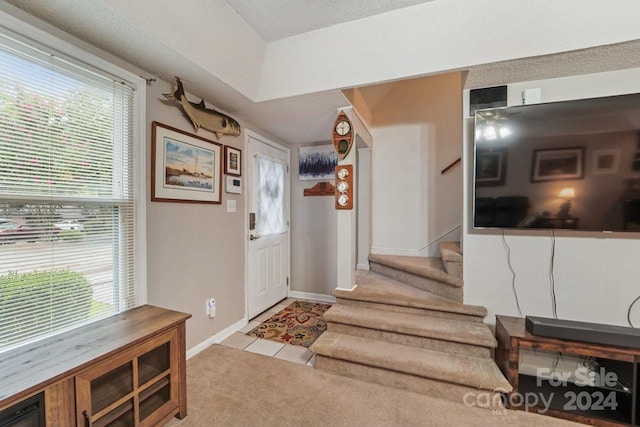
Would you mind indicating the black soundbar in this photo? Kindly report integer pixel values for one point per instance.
(594, 333)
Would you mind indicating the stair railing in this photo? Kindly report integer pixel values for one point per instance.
(437, 240)
(455, 162)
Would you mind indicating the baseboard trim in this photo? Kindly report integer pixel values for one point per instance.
(429, 249)
(217, 338)
(396, 251)
(348, 289)
(363, 267)
(313, 297)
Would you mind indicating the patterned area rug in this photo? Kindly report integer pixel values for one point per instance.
(300, 323)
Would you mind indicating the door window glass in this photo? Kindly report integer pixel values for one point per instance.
(270, 197)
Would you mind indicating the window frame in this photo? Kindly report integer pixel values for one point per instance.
(32, 31)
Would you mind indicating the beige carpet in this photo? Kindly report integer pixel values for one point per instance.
(229, 387)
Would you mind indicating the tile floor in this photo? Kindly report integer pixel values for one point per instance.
(292, 353)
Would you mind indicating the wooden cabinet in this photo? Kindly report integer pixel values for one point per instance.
(127, 370)
(137, 387)
(588, 383)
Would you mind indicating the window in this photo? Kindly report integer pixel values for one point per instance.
(68, 210)
(270, 196)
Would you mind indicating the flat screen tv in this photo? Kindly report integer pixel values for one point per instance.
(561, 165)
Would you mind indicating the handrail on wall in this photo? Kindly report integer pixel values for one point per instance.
(455, 162)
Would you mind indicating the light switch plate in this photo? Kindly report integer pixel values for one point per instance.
(231, 205)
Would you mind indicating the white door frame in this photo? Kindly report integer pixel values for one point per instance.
(251, 134)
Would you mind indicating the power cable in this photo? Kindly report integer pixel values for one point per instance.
(552, 280)
(629, 311)
(513, 273)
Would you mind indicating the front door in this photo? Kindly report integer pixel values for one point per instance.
(268, 234)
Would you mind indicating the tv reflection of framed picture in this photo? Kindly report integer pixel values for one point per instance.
(557, 164)
(606, 161)
(185, 168)
(232, 161)
(491, 167)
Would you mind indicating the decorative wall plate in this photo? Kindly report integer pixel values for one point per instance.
(344, 187)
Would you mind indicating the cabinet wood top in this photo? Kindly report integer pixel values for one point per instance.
(515, 329)
(34, 366)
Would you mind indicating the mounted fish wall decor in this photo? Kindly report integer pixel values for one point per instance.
(207, 118)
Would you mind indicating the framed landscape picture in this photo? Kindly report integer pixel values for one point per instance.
(184, 167)
(557, 164)
(317, 162)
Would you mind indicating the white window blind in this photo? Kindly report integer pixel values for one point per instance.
(66, 193)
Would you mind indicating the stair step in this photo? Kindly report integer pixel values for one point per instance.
(423, 273)
(455, 336)
(450, 251)
(453, 268)
(485, 399)
(409, 340)
(429, 268)
(451, 258)
(462, 370)
(382, 293)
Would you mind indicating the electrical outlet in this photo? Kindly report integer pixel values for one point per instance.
(211, 308)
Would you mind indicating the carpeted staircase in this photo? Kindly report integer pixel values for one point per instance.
(405, 326)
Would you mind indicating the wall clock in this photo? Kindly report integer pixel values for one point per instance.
(343, 127)
(342, 135)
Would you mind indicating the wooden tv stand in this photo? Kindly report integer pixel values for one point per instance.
(612, 398)
(128, 369)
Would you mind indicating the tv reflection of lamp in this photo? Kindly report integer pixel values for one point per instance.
(567, 194)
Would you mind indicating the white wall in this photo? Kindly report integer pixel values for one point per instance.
(399, 202)
(436, 36)
(596, 275)
(417, 133)
(364, 208)
(215, 37)
(313, 236)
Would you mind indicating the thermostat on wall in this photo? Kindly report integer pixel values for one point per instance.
(234, 185)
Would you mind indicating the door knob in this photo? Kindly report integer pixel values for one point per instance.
(253, 237)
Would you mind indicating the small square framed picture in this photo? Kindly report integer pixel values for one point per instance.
(606, 161)
(232, 161)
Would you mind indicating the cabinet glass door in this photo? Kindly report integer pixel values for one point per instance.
(154, 397)
(153, 363)
(135, 388)
(111, 386)
(122, 416)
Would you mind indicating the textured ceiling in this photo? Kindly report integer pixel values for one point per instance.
(276, 19)
(585, 61)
